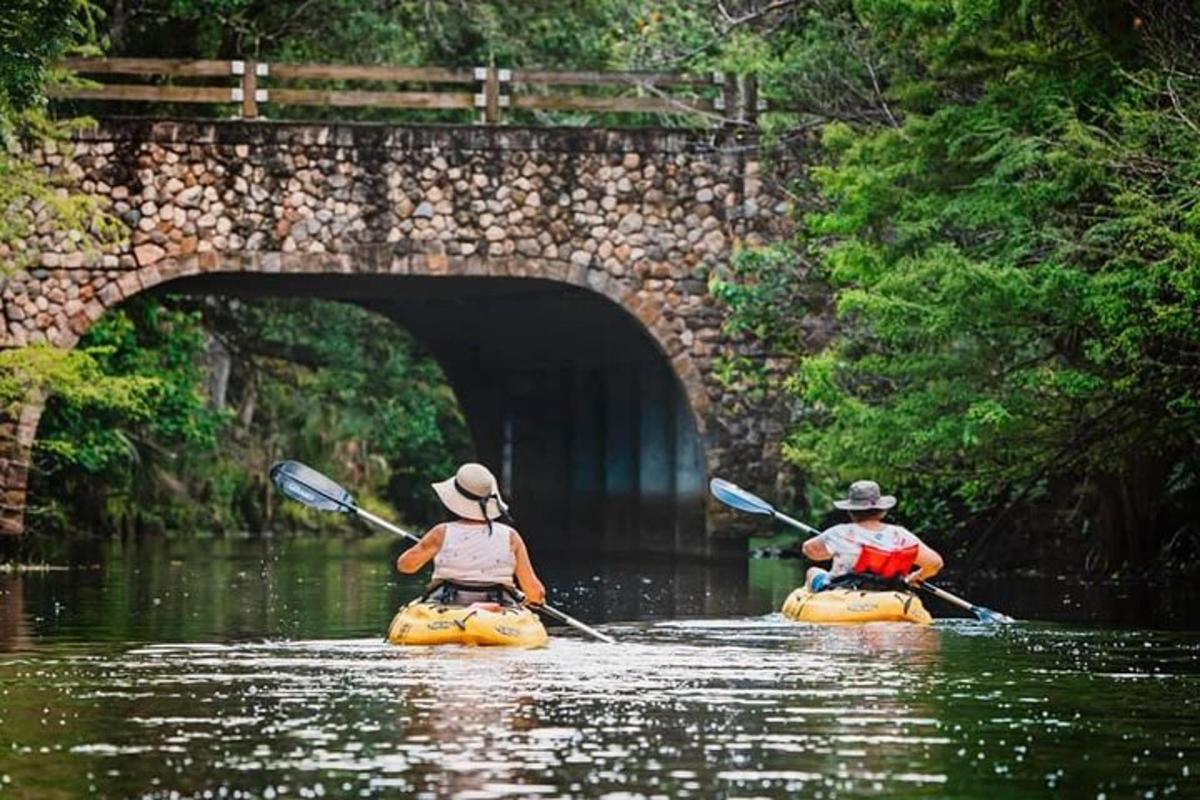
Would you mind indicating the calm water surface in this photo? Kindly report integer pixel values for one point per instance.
(256, 669)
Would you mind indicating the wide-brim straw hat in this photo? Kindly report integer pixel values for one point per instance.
(471, 491)
(865, 496)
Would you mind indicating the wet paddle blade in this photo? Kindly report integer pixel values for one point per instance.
(982, 614)
(307, 486)
(995, 617)
(736, 497)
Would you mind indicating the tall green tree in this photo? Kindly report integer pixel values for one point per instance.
(1015, 248)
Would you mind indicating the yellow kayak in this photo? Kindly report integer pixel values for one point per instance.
(855, 605)
(429, 622)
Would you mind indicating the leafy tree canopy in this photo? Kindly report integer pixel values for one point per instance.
(1011, 229)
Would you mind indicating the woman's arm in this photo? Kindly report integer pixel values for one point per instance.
(527, 579)
(423, 551)
(815, 549)
(929, 563)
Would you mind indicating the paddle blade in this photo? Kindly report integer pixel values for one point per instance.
(310, 487)
(994, 617)
(736, 497)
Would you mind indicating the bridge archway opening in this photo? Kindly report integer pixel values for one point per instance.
(567, 396)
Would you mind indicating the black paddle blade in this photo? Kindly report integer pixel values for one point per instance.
(310, 487)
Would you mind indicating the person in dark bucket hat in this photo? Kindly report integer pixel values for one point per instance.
(866, 550)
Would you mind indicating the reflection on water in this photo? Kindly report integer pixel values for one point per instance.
(14, 625)
(740, 707)
(257, 670)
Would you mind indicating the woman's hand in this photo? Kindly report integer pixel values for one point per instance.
(527, 579)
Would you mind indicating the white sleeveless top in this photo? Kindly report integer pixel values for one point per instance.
(470, 555)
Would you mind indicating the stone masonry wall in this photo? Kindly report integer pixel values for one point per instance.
(640, 216)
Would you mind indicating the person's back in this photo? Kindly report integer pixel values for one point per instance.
(475, 556)
(473, 552)
(887, 551)
(867, 546)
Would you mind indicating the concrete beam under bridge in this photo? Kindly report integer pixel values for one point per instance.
(568, 399)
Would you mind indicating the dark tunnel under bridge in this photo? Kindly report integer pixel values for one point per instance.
(567, 398)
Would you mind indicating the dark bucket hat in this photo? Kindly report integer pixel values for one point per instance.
(865, 496)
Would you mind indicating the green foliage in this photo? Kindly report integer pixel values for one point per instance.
(124, 414)
(590, 34)
(138, 433)
(1017, 261)
(350, 392)
(76, 376)
(34, 33)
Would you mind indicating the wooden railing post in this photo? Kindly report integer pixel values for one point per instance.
(493, 95)
(489, 99)
(728, 101)
(244, 94)
(748, 115)
(247, 93)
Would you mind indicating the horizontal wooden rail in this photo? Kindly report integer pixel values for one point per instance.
(174, 67)
(610, 78)
(251, 84)
(615, 105)
(152, 94)
(357, 99)
(354, 72)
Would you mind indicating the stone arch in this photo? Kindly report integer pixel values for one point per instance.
(652, 509)
(638, 217)
(647, 310)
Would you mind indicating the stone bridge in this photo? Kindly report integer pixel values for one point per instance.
(559, 276)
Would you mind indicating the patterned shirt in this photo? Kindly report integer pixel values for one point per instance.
(846, 542)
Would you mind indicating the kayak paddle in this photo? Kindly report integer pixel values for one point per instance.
(735, 496)
(305, 485)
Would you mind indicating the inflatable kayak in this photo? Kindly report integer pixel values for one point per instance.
(429, 622)
(855, 605)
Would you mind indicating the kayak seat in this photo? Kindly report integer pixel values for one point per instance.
(454, 593)
(866, 582)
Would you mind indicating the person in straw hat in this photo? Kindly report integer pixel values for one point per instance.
(867, 551)
(475, 556)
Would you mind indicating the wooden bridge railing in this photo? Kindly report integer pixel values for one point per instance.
(718, 98)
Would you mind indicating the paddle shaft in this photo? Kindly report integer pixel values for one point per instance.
(956, 600)
(574, 623)
(795, 523)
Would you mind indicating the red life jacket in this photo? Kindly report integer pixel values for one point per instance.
(886, 563)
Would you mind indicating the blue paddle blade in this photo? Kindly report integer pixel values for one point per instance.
(306, 485)
(995, 617)
(736, 497)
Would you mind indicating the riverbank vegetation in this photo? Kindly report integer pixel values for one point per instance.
(998, 200)
(1008, 221)
(224, 388)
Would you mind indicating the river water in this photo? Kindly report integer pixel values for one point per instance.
(228, 668)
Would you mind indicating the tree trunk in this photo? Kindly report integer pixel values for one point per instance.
(246, 412)
(220, 363)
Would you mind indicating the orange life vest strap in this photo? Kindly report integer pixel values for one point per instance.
(886, 563)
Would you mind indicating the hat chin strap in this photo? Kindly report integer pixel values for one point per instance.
(482, 499)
